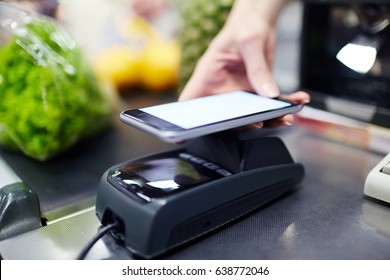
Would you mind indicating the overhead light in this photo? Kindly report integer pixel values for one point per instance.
(359, 54)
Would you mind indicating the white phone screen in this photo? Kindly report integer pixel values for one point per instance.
(214, 108)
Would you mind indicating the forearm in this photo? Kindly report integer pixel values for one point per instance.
(269, 10)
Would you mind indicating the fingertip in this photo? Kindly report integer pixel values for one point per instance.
(305, 97)
(299, 97)
(258, 125)
(287, 120)
(269, 89)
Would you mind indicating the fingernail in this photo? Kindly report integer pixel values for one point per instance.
(258, 125)
(269, 90)
(287, 123)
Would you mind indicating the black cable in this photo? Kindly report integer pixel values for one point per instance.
(96, 238)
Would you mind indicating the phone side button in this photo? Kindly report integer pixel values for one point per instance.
(223, 172)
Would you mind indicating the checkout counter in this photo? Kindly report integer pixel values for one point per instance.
(327, 216)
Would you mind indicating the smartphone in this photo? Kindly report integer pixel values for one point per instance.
(180, 121)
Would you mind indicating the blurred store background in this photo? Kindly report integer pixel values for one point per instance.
(136, 43)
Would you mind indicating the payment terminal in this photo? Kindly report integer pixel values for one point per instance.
(164, 200)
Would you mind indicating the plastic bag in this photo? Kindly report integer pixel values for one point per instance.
(49, 96)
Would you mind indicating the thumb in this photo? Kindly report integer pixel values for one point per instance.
(254, 54)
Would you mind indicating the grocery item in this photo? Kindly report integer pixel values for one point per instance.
(142, 59)
(159, 69)
(50, 98)
(201, 22)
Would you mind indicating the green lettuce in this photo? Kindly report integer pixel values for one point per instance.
(49, 96)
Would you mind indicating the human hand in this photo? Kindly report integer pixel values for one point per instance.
(241, 56)
(149, 9)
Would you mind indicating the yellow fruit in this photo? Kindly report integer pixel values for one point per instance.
(137, 28)
(159, 68)
(119, 65)
(144, 60)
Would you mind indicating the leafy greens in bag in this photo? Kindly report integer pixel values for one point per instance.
(49, 96)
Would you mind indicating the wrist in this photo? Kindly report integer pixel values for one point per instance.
(268, 10)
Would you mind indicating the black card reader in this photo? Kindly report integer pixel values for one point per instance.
(157, 178)
(167, 199)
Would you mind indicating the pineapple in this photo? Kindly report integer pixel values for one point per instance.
(201, 21)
